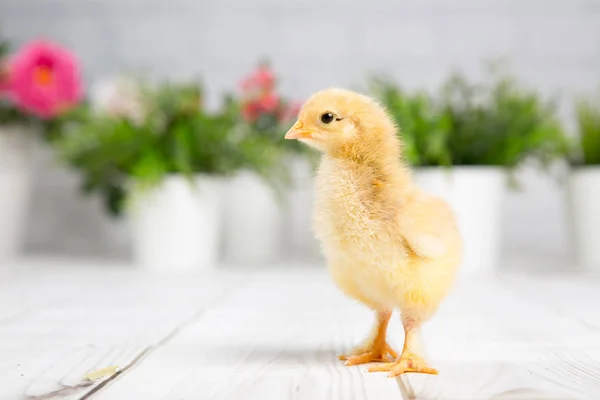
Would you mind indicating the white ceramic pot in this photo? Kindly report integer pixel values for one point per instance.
(176, 226)
(300, 241)
(584, 216)
(252, 221)
(476, 195)
(16, 184)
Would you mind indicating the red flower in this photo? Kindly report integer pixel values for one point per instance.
(269, 102)
(265, 78)
(262, 79)
(259, 97)
(252, 109)
(44, 79)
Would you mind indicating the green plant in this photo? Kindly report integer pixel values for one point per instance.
(265, 112)
(586, 149)
(495, 123)
(174, 136)
(499, 123)
(424, 129)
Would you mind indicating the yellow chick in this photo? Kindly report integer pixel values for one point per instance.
(387, 244)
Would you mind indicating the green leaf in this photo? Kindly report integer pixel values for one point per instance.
(177, 136)
(497, 122)
(114, 199)
(586, 151)
(182, 153)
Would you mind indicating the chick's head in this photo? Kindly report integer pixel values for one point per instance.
(338, 120)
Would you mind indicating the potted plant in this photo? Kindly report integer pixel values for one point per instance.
(584, 185)
(269, 115)
(38, 83)
(464, 142)
(159, 155)
(253, 221)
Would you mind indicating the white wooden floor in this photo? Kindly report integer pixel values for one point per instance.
(276, 334)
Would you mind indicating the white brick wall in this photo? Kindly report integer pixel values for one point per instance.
(553, 44)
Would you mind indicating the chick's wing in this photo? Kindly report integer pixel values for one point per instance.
(427, 225)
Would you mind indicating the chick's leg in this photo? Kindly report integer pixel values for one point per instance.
(410, 360)
(375, 347)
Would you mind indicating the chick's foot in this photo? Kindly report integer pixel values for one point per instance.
(375, 348)
(407, 363)
(377, 353)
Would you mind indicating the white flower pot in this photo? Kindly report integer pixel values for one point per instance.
(476, 195)
(16, 179)
(584, 216)
(300, 241)
(176, 226)
(252, 221)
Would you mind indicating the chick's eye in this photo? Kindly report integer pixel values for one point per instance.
(327, 118)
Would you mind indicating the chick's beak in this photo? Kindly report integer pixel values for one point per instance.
(298, 131)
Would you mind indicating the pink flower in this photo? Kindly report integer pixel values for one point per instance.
(262, 79)
(269, 102)
(44, 79)
(265, 78)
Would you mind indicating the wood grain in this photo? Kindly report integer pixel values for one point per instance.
(59, 323)
(504, 344)
(277, 333)
(278, 338)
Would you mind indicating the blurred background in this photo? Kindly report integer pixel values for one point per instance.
(549, 45)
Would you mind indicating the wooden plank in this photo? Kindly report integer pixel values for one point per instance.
(277, 338)
(277, 334)
(555, 374)
(59, 322)
(575, 295)
(489, 341)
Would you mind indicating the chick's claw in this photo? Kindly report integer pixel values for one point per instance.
(406, 363)
(383, 353)
(366, 358)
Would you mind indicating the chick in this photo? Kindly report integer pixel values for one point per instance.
(387, 244)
